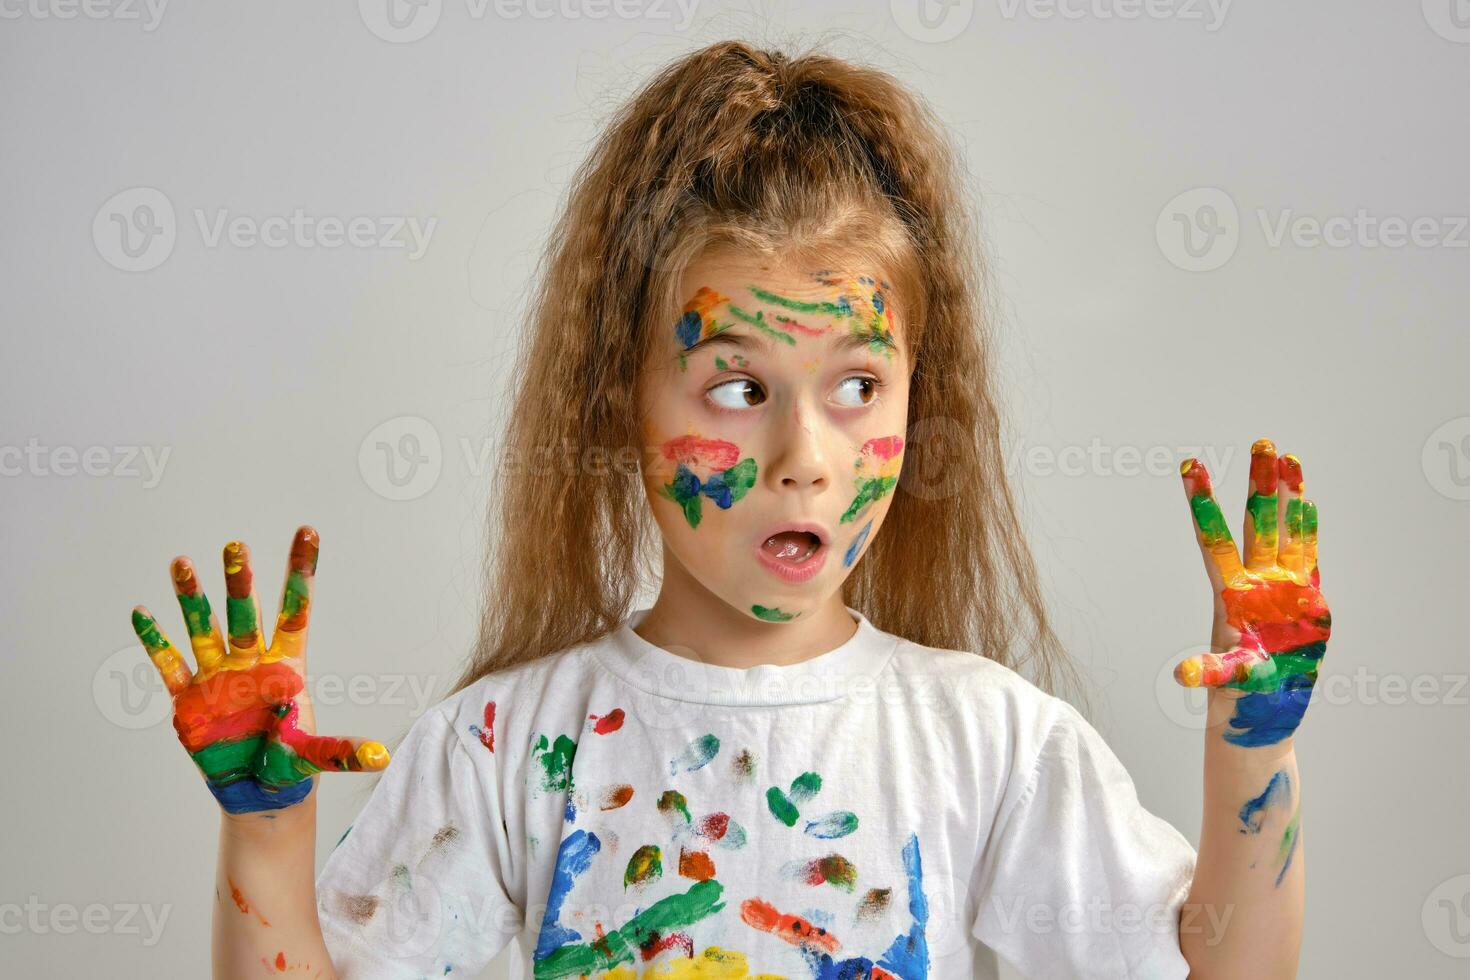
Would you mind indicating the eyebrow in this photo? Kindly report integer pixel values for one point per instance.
(728, 337)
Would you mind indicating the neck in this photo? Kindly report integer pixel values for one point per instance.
(689, 620)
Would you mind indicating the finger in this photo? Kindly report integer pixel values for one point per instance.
(242, 608)
(323, 753)
(1260, 508)
(1291, 551)
(204, 632)
(1217, 669)
(1309, 542)
(1221, 559)
(289, 638)
(165, 655)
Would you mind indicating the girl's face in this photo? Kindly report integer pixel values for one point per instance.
(773, 423)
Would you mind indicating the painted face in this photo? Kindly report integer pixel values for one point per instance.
(773, 425)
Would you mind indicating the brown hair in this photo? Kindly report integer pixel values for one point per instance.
(805, 155)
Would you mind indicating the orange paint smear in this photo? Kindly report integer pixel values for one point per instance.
(762, 915)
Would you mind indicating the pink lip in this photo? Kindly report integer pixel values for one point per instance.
(808, 568)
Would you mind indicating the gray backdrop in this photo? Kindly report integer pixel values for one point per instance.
(1210, 224)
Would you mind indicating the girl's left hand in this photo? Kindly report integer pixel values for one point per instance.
(1271, 621)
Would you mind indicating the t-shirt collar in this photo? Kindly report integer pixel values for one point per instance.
(851, 668)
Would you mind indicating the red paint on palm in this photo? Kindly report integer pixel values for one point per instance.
(234, 703)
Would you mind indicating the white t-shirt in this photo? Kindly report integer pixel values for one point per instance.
(882, 810)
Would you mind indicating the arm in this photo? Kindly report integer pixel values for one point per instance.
(265, 917)
(1243, 916)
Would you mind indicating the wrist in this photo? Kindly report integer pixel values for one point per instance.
(288, 825)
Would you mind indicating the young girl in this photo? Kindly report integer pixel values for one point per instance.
(812, 755)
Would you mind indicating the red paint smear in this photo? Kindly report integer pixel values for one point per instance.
(1281, 614)
(884, 447)
(1263, 473)
(695, 865)
(239, 582)
(1290, 470)
(609, 722)
(1196, 478)
(322, 751)
(233, 703)
(714, 453)
(675, 940)
(760, 914)
(281, 962)
(812, 331)
(715, 825)
(487, 731)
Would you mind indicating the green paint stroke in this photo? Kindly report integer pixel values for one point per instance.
(556, 762)
(148, 632)
(801, 306)
(196, 613)
(240, 613)
(1263, 512)
(1289, 841)
(1208, 518)
(645, 865)
(667, 915)
(758, 320)
(296, 597)
(773, 614)
(869, 490)
(781, 808)
(672, 801)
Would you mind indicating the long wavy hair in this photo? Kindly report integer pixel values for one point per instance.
(791, 155)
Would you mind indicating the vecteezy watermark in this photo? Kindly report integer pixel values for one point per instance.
(1209, 12)
(1200, 230)
(406, 21)
(1446, 917)
(1101, 916)
(65, 918)
(129, 692)
(1097, 459)
(1450, 19)
(136, 230)
(148, 12)
(1446, 458)
(122, 462)
(932, 21)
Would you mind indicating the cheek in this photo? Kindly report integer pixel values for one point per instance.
(874, 476)
(698, 475)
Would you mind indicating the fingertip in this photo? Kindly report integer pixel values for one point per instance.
(1187, 672)
(372, 756)
(1262, 445)
(1289, 468)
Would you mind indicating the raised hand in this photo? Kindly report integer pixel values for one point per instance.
(243, 713)
(1271, 621)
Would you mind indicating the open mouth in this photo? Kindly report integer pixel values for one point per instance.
(792, 547)
(794, 554)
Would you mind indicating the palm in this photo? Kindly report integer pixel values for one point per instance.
(1271, 620)
(242, 714)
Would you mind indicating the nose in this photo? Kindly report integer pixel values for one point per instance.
(800, 461)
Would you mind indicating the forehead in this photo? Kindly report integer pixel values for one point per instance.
(746, 301)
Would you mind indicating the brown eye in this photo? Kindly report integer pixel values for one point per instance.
(737, 394)
(859, 387)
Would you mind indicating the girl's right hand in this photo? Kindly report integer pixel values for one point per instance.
(243, 713)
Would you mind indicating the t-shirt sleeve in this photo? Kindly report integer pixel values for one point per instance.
(1078, 879)
(417, 887)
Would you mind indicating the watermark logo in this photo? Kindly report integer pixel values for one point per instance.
(400, 21)
(35, 459)
(1209, 12)
(147, 12)
(1199, 230)
(401, 459)
(1446, 459)
(1446, 917)
(1450, 19)
(932, 21)
(135, 230)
